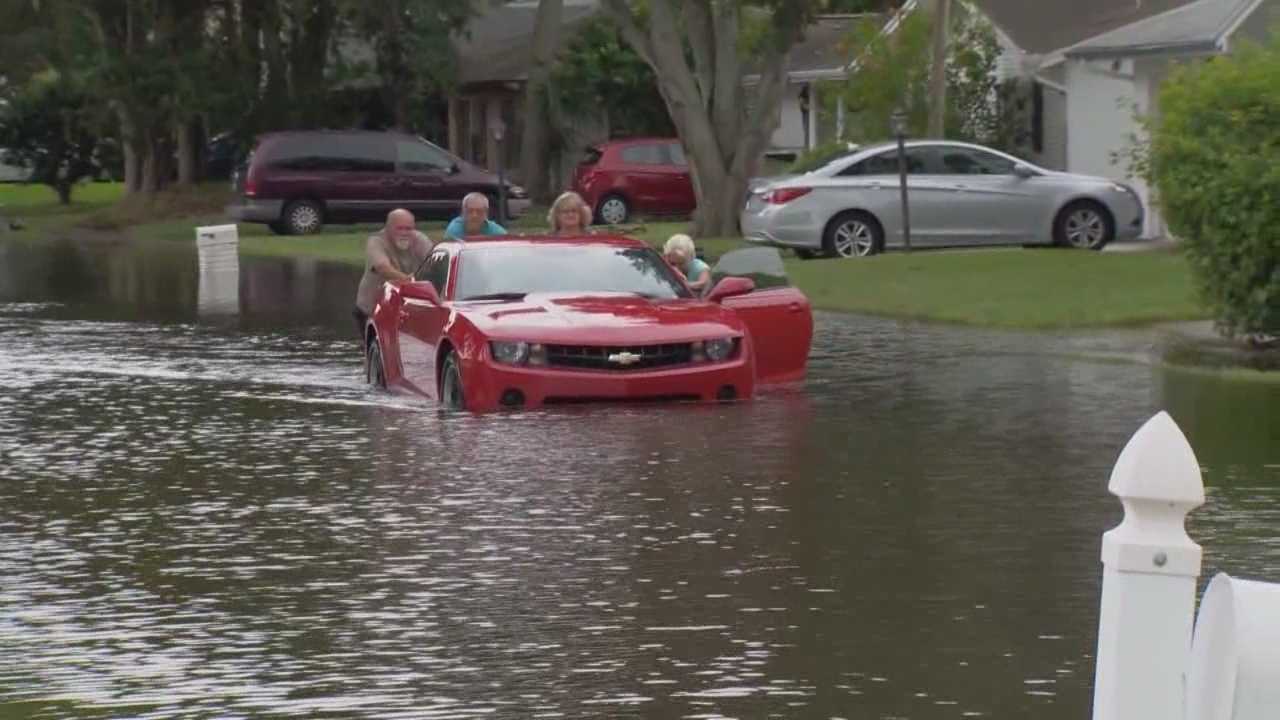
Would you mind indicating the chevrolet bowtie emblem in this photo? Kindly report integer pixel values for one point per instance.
(624, 358)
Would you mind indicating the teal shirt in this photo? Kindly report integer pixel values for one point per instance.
(455, 229)
(694, 269)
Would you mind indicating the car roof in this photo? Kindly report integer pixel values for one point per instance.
(490, 241)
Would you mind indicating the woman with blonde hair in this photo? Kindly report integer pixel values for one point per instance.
(683, 256)
(569, 215)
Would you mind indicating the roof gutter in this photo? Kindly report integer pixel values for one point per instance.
(1185, 47)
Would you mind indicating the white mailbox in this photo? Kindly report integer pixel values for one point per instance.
(1234, 673)
(218, 251)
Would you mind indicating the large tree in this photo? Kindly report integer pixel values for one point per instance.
(696, 49)
(540, 101)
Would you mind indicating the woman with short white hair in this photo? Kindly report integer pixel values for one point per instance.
(569, 216)
(683, 256)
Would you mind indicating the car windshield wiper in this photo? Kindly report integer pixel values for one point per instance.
(497, 296)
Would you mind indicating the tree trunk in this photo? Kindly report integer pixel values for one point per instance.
(63, 188)
(938, 70)
(187, 133)
(129, 148)
(534, 155)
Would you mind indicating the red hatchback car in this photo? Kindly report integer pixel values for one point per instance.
(531, 321)
(639, 175)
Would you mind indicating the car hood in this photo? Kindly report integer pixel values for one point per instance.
(600, 319)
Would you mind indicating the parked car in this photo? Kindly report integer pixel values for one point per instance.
(12, 172)
(958, 194)
(641, 175)
(297, 181)
(532, 321)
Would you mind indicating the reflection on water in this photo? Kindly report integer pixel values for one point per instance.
(218, 520)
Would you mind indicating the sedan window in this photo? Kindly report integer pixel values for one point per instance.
(502, 270)
(886, 163)
(967, 161)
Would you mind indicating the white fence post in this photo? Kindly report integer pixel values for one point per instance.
(1149, 578)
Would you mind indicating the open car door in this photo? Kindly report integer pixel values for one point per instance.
(778, 316)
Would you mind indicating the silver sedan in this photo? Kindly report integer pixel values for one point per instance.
(958, 195)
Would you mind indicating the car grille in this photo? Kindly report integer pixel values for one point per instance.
(623, 358)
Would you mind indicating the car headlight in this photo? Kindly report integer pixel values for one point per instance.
(509, 353)
(714, 350)
(517, 191)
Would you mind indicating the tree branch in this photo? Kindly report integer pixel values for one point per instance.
(704, 41)
(621, 14)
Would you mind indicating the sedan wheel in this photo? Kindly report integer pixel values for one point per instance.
(451, 394)
(614, 210)
(853, 235)
(1085, 226)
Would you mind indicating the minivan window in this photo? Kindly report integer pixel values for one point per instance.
(333, 153)
(647, 154)
(421, 157)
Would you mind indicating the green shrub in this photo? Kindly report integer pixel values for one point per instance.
(1215, 161)
(818, 156)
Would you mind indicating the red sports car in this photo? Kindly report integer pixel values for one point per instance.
(531, 321)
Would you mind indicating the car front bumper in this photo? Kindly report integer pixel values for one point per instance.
(490, 386)
(254, 210)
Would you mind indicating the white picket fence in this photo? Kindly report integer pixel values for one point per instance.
(218, 250)
(1152, 663)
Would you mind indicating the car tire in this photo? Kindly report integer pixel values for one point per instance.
(374, 372)
(852, 234)
(278, 228)
(1085, 225)
(452, 395)
(303, 217)
(612, 210)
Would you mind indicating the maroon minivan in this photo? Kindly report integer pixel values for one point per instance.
(297, 181)
(645, 175)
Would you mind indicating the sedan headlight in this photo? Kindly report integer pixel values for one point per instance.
(509, 353)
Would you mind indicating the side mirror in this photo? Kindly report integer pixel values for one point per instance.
(730, 287)
(420, 290)
(1023, 171)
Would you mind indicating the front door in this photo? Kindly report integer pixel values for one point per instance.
(422, 327)
(423, 172)
(777, 315)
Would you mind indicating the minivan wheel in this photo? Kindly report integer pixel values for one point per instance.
(613, 210)
(303, 217)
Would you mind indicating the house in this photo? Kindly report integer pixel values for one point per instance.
(1111, 78)
(494, 58)
(817, 58)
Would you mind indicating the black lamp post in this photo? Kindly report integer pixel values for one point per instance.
(900, 131)
(499, 132)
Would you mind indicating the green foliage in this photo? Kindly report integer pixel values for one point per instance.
(1213, 161)
(820, 155)
(46, 126)
(894, 72)
(598, 70)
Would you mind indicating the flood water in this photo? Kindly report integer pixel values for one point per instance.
(207, 515)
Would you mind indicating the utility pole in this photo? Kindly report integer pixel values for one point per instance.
(938, 71)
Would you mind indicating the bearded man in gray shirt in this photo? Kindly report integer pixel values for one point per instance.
(390, 255)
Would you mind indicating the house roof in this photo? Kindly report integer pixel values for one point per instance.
(823, 52)
(498, 44)
(1200, 27)
(1043, 26)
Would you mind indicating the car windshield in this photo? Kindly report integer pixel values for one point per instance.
(504, 271)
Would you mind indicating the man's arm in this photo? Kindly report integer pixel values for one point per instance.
(381, 264)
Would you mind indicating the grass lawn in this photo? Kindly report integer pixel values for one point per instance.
(1013, 288)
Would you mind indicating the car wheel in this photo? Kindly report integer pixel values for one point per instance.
(303, 217)
(1085, 225)
(452, 396)
(852, 234)
(613, 210)
(374, 373)
(278, 228)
